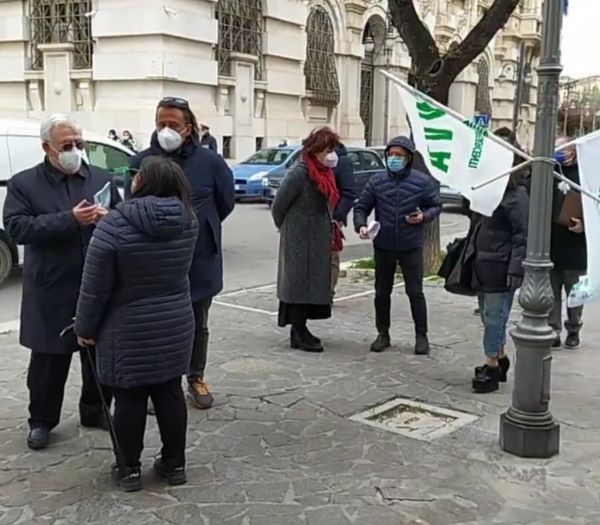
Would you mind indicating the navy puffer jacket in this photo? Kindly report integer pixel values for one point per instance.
(393, 196)
(135, 293)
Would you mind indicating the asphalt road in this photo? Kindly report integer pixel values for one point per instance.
(250, 252)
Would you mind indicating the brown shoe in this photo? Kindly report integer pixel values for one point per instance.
(201, 397)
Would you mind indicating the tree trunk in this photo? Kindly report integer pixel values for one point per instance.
(432, 250)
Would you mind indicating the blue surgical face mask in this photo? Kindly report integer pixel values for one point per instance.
(560, 157)
(396, 164)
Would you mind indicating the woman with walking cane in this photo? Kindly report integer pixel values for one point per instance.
(135, 308)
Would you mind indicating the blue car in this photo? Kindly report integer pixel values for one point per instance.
(252, 175)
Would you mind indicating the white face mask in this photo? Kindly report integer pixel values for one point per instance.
(331, 160)
(169, 139)
(70, 161)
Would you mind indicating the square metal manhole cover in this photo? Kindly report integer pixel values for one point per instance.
(414, 419)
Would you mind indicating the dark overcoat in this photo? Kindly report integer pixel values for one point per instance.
(135, 293)
(213, 196)
(38, 214)
(301, 214)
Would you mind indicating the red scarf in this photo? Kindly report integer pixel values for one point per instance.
(323, 177)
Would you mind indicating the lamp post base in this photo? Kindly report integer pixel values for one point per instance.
(529, 439)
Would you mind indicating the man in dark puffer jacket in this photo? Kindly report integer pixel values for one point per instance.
(404, 200)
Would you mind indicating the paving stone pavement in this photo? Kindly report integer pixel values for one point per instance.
(278, 447)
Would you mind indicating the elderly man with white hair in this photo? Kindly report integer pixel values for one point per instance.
(50, 210)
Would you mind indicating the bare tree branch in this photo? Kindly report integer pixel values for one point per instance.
(421, 44)
(459, 57)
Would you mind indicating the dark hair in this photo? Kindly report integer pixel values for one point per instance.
(321, 139)
(162, 177)
(506, 134)
(112, 132)
(182, 105)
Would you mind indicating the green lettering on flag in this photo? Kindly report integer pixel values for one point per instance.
(428, 112)
(438, 134)
(440, 159)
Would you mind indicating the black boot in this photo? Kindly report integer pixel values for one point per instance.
(422, 345)
(302, 339)
(382, 342)
(503, 365)
(486, 380)
(294, 338)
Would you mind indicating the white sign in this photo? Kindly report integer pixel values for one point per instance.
(588, 158)
(458, 154)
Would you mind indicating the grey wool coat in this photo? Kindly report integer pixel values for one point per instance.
(301, 214)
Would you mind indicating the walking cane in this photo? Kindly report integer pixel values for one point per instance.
(105, 407)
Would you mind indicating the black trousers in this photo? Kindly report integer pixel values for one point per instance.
(411, 265)
(46, 380)
(200, 348)
(171, 415)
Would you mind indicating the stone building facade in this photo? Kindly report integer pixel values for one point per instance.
(254, 70)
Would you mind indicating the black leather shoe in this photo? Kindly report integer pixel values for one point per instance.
(421, 345)
(382, 343)
(38, 438)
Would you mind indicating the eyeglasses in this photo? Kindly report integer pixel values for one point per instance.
(174, 102)
(80, 144)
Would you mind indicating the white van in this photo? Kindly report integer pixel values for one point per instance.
(21, 148)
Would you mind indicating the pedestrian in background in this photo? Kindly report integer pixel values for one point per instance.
(346, 185)
(500, 249)
(404, 200)
(207, 140)
(302, 212)
(50, 210)
(112, 135)
(568, 249)
(211, 182)
(135, 307)
(128, 141)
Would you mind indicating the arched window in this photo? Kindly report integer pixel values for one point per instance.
(483, 103)
(319, 69)
(61, 21)
(240, 31)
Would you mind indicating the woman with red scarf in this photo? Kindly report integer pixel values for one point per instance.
(302, 211)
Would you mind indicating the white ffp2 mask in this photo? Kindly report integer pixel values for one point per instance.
(169, 139)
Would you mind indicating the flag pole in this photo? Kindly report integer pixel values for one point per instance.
(528, 158)
(452, 113)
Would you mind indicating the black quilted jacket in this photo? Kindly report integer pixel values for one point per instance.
(393, 197)
(135, 292)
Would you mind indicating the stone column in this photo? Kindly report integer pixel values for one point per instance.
(350, 55)
(242, 69)
(58, 90)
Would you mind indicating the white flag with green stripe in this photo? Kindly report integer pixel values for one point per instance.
(458, 154)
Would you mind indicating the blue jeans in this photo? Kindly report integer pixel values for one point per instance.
(495, 312)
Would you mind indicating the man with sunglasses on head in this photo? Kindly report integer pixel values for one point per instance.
(177, 137)
(50, 209)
